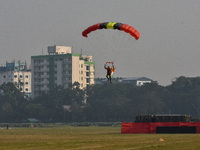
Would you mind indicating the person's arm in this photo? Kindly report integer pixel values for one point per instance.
(105, 66)
(113, 67)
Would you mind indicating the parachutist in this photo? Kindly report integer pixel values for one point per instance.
(114, 26)
(110, 71)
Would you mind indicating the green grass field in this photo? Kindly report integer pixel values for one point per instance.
(92, 138)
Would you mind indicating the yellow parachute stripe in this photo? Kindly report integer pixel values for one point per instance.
(110, 25)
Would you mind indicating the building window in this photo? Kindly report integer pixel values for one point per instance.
(15, 76)
(4, 76)
(26, 89)
(20, 76)
(87, 73)
(87, 80)
(26, 76)
(87, 67)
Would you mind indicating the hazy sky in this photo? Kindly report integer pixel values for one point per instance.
(169, 45)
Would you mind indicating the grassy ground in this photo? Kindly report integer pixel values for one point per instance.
(90, 138)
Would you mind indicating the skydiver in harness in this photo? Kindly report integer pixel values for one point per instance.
(110, 71)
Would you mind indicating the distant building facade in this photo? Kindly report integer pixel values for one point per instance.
(18, 74)
(61, 67)
(139, 81)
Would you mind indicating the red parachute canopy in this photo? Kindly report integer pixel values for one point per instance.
(112, 25)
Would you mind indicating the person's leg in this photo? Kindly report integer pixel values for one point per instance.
(110, 78)
(107, 76)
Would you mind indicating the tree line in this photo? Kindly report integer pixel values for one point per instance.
(115, 102)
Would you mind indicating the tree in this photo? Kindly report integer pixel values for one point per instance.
(12, 103)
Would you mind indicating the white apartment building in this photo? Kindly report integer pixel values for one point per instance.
(60, 67)
(17, 73)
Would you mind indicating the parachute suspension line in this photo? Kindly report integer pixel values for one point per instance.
(113, 40)
(123, 47)
(115, 43)
(127, 45)
(123, 50)
(117, 46)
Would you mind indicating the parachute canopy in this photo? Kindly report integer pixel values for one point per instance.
(112, 25)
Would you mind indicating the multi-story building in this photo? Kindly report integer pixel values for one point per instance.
(61, 67)
(17, 73)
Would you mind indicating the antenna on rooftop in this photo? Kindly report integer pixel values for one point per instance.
(25, 65)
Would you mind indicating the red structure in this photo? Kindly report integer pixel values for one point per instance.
(161, 127)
